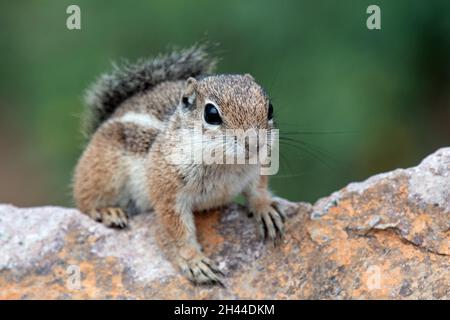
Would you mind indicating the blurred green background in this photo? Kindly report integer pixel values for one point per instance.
(360, 101)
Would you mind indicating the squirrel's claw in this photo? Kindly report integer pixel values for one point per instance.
(113, 217)
(270, 224)
(201, 270)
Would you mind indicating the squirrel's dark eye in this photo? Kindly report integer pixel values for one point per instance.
(270, 112)
(212, 115)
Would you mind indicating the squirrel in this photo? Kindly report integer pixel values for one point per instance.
(134, 117)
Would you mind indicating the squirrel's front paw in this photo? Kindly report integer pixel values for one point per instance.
(270, 220)
(200, 269)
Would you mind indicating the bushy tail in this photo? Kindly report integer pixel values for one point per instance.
(126, 80)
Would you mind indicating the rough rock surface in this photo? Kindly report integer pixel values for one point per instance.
(387, 237)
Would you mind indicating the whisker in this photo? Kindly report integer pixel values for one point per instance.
(300, 145)
(285, 132)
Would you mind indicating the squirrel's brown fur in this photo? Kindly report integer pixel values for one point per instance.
(139, 112)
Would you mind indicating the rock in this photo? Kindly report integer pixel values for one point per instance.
(385, 238)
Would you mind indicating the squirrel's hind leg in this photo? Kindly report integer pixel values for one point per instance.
(100, 178)
(113, 217)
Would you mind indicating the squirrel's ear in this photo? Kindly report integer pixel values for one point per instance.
(189, 94)
(249, 76)
(191, 82)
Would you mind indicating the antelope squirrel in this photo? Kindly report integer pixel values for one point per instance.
(135, 114)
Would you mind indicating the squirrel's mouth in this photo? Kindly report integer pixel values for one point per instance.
(232, 147)
(251, 151)
(244, 153)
